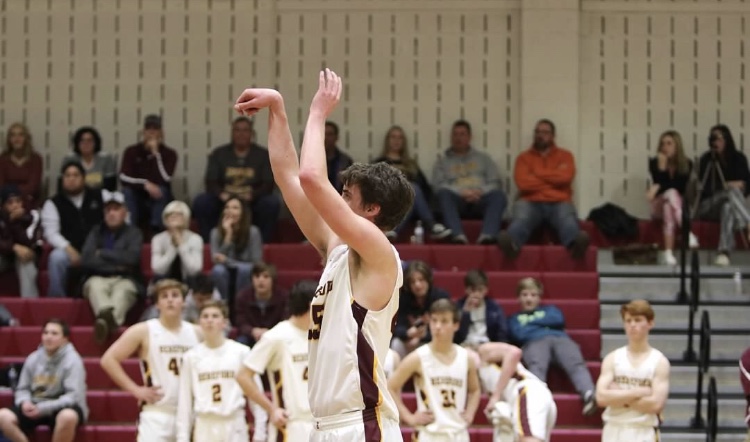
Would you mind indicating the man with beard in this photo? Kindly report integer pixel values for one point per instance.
(544, 176)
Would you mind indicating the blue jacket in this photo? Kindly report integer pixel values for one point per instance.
(494, 317)
(545, 320)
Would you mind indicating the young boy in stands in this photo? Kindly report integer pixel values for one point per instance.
(539, 330)
(482, 319)
(51, 389)
(260, 306)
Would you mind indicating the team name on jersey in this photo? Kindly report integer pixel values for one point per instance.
(446, 380)
(638, 382)
(173, 349)
(213, 375)
(299, 358)
(324, 289)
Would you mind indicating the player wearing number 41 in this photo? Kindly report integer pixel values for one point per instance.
(357, 298)
(634, 381)
(282, 353)
(160, 345)
(211, 405)
(445, 379)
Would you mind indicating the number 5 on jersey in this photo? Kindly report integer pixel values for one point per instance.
(317, 317)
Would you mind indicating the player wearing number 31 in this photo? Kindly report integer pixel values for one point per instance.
(357, 297)
(211, 405)
(160, 344)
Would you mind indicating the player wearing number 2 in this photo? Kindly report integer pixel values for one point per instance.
(160, 344)
(356, 302)
(209, 393)
(445, 379)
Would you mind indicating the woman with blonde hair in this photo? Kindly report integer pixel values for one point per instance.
(176, 253)
(396, 153)
(21, 165)
(670, 173)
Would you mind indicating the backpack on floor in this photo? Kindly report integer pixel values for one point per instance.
(614, 222)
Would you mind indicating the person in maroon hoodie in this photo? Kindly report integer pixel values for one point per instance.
(259, 306)
(19, 234)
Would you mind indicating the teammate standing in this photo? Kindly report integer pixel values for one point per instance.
(356, 302)
(634, 381)
(160, 344)
(445, 379)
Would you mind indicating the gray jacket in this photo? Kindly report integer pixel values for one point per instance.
(253, 252)
(53, 382)
(473, 170)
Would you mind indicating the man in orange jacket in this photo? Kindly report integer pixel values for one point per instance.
(544, 176)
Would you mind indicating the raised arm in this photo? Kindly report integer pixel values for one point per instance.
(608, 394)
(654, 402)
(285, 163)
(356, 231)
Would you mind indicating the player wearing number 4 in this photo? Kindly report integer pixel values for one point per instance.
(357, 298)
(445, 379)
(210, 398)
(160, 344)
(282, 353)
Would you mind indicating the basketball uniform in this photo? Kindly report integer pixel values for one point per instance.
(210, 394)
(389, 366)
(161, 368)
(348, 346)
(282, 353)
(533, 409)
(623, 423)
(442, 389)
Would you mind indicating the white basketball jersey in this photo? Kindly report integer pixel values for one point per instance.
(211, 378)
(626, 377)
(389, 366)
(162, 365)
(490, 373)
(442, 389)
(348, 345)
(282, 352)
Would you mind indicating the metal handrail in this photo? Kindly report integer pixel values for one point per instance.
(695, 296)
(713, 411)
(703, 363)
(682, 295)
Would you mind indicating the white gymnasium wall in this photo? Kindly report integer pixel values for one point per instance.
(625, 70)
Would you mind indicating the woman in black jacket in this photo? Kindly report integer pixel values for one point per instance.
(726, 177)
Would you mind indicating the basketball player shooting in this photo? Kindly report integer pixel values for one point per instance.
(356, 301)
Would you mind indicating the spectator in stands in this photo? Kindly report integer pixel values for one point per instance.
(670, 173)
(468, 185)
(176, 253)
(51, 389)
(338, 161)
(241, 169)
(544, 176)
(417, 295)
(19, 239)
(111, 259)
(260, 306)
(396, 153)
(146, 174)
(67, 218)
(482, 319)
(202, 289)
(540, 331)
(235, 244)
(725, 176)
(745, 381)
(21, 165)
(100, 167)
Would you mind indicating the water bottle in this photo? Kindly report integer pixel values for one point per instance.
(12, 377)
(737, 278)
(419, 233)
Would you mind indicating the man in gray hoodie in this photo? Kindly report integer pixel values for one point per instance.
(51, 389)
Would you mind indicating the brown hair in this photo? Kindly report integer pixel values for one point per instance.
(384, 185)
(215, 303)
(241, 234)
(408, 165)
(444, 305)
(167, 283)
(263, 267)
(475, 278)
(679, 162)
(420, 267)
(529, 284)
(638, 307)
(27, 146)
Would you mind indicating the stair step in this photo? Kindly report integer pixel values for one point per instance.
(683, 379)
(723, 347)
(700, 436)
(664, 288)
(679, 412)
(675, 316)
